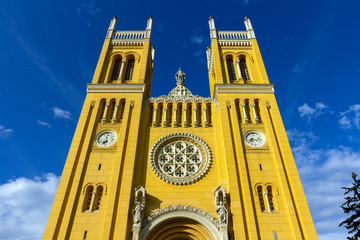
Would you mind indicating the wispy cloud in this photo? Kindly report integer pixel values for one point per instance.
(298, 68)
(60, 113)
(5, 132)
(196, 38)
(39, 58)
(350, 118)
(309, 112)
(197, 53)
(25, 206)
(323, 172)
(87, 9)
(46, 124)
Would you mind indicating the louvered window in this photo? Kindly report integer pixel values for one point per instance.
(129, 69)
(244, 70)
(116, 70)
(231, 70)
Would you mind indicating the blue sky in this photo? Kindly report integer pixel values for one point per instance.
(49, 51)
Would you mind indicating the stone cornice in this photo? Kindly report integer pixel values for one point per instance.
(113, 87)
(242, 88)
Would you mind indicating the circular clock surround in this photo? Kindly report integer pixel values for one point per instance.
(254, 138)
(180, 158)
(106, 138)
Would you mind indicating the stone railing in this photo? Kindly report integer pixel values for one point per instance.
(231, 38)
(129, 37)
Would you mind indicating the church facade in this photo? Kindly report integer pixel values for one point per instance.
(180, 166)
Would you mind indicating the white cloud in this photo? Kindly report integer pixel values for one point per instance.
(197, 39)
(59, 113)
(309, 112)
(323, 172)
(350, 118)
(196, 54)
(46, 124)
(87, 9)
(25, 206)
(5, 132)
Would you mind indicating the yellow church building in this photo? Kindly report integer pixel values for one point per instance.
(180, 166)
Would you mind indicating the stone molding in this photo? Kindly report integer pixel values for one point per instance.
(113, 87)
(242, 88)
(182, 211)
(180, 93)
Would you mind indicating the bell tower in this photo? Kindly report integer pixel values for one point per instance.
(180, 166)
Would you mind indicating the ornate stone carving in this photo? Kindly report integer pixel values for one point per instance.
(180, 158)
(138, 212)
(181, 207)
(222, 211)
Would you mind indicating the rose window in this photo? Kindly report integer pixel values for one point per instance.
(180, 158)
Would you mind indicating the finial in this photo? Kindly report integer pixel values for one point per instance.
(180, 77)
(111, 28)
(249, 28)
(212, 27)
(149, 23)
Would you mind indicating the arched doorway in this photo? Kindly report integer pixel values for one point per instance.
(180, 225)
(179, 229)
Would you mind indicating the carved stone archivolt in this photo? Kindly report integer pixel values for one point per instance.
(181, 207)
(180, 158)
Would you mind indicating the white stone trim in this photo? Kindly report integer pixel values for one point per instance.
(113, 87)
(181, 211)
(242, 88)
(204, 148)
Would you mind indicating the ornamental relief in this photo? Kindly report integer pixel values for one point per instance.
(180, 158)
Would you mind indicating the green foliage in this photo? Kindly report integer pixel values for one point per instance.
(352, 206)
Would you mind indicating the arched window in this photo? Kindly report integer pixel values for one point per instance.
(231, 69)
(238, 111)
(160, 114)
(101, 109)
(257, 110)
(116, 70)
(199, 115)
(244, 69)
(261, 198)
(247, 111)
(129, 69)
(88, 198)
(170, 114)
(208, 110)
(189, 114)
(270, 198)
(111, 113)
(151, 113)
(180, 114)
(97, 198)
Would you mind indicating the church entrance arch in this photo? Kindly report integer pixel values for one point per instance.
(180, 225)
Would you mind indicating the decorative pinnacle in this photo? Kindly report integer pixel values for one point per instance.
(180, 77)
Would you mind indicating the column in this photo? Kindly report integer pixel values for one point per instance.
(175, 121)
(246, 119)
(185, 117)
(155, 117)
(116, 112)
(105, 113)
(205, 118)
(165, 116)
(195, 118)
(267, 201)
(255, 115)
(122, 68)
(237, 62)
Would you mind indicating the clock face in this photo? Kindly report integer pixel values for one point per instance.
(105, 138)
(254, 138)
